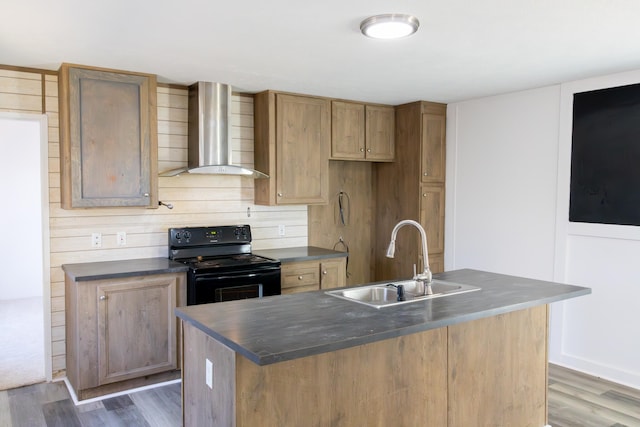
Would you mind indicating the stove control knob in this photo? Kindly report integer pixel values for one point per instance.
(178, 235)
(187, 235)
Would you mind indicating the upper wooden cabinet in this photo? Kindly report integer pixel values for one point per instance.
(412, 187)
(292, 139)
(362, 132)
(433, 146)
(108, 138)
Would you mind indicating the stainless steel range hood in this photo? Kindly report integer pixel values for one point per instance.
(209, 142)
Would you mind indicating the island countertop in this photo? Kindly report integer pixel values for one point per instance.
(274, 329)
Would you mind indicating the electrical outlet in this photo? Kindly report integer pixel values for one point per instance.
(281, 230)
(96, 240)
(209, 373)
(121, 238)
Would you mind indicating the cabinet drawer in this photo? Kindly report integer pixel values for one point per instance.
(300, 274)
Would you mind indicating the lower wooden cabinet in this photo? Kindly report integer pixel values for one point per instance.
(303, 276)
(333, 273)
(122, 332)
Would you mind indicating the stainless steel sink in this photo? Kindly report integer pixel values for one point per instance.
(386, 294)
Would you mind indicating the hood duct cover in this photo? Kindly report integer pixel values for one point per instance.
(209, 142)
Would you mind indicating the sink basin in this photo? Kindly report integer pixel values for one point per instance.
(386, 294)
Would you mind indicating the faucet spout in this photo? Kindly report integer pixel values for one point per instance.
(425, 277)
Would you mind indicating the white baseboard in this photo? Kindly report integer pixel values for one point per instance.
(600, 370)
(77, 402)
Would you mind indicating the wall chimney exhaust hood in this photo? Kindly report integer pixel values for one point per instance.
(209, 142)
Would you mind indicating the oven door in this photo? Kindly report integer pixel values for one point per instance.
(204, 288)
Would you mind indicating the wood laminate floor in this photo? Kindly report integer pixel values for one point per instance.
(580, 400)
(575, 400)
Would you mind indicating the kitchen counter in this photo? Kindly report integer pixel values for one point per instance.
(477, 358)
(88, 271)
(286, 327)
(300, 253)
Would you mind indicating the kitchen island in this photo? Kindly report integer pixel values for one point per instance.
(310, 359)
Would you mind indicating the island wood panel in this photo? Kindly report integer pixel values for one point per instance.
(498, 370)
(201, 405)
(396, 382)
(326, 228)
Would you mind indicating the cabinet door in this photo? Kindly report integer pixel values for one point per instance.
(136, 328)
(299, 277)
(108, 144)
(302, 149)
(347, 131)
(436, 263)
(433, 147)
(333, 273)
(432, 216)
(380, 133)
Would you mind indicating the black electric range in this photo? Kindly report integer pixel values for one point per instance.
(221, 265)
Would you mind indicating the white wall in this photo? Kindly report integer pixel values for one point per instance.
(596, 334)
(21, 254)
(501, 183)
(508, 171)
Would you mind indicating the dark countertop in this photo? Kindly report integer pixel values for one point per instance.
(300, 253)
(274, 329)
(114, 269)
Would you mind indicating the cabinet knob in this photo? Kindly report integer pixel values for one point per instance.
(146, 194)
(279, 194)
(424, 194)
(103, 297)
(368, 150)
(299, 277)
(324, 272)
(362, 150)
(426, 174)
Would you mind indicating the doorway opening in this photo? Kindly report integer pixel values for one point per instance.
(25, 308)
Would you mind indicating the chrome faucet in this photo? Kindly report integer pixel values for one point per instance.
(425, 277)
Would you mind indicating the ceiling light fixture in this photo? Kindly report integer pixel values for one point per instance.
(389, 26)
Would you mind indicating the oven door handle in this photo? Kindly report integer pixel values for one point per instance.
(236, 277)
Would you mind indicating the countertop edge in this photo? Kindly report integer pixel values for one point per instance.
(388, 334)
(101, 270)
(300, 253)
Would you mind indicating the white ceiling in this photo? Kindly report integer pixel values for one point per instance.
(464, 48)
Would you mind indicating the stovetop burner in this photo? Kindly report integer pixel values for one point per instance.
(216, 249)
(225, 261)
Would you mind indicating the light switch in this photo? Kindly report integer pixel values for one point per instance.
(209, 373)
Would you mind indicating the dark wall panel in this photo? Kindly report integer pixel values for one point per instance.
(605, 156)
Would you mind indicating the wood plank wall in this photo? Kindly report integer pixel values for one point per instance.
(197, 200)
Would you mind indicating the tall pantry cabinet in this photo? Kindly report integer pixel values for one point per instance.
(412, 187)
